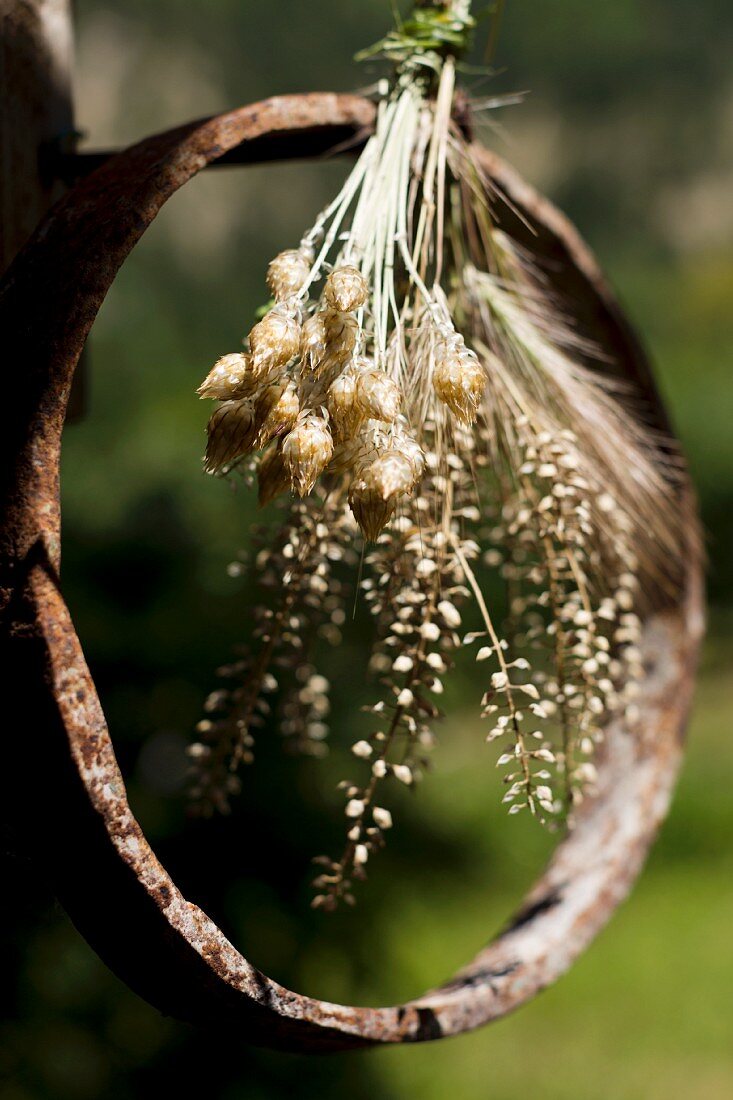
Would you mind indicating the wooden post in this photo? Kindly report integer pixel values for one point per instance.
(36, 57)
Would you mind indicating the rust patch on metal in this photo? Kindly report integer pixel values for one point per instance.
(75, 817)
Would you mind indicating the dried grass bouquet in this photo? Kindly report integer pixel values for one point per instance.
(414, 390)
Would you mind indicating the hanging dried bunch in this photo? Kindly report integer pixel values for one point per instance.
(413, 375)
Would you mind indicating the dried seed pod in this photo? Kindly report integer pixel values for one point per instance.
(348, 454)
(276, 410)
(459, 382)
(327, 341)
(232, 433)
(342, 331)
(287, 273)
(346, 414)
(392, 474)
(274, 340)
(314, 341)
(307, 450)
(273, 478)
(231, 376)
(407, 446)
(371, 511)
(378, 396)
(374, 494)
(346, 289)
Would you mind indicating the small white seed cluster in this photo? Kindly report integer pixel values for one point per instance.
(304, 599)
(304, 394)
(414, 588)
(514, 706)
(573, 599)
(599, 652)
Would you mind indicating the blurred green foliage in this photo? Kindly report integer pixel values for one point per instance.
(628, 128)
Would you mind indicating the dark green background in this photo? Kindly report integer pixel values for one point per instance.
(629, 126)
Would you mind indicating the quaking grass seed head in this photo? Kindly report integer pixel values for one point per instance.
(287, 273)
(460, 382)
(328, 340)
(273, 476)
(346, 289)
(409, 448)
(342, 330)
(232, 432)
(392, 474)
(307, 450)
(231, 376)
(313, 340)
(378, 396)
(371, 510)
(276, 410)
(274, 340)
(347, 415)
(376, 491)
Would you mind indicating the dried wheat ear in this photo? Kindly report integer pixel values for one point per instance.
(414, 385)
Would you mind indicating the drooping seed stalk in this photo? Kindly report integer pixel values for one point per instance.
(497, 644)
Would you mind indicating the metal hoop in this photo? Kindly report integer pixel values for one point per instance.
(64, 791)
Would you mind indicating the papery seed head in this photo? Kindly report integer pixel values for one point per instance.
(346, 289)
(374, 494)
(378, 396)
(232, 433)
(382, 817)
(307, 450)
(345, 412)
(341, 333)
(391, 474)
(370, 508)
(276, 409)
(273, 477)
(274, 340)
(231, 376)
(287, 273)
(327, 340)
(313, 340)
(407, 446)
(459, 382)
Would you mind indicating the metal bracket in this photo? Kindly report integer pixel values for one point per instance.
(61, 784)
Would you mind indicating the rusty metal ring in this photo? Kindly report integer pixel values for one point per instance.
(76, 819)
